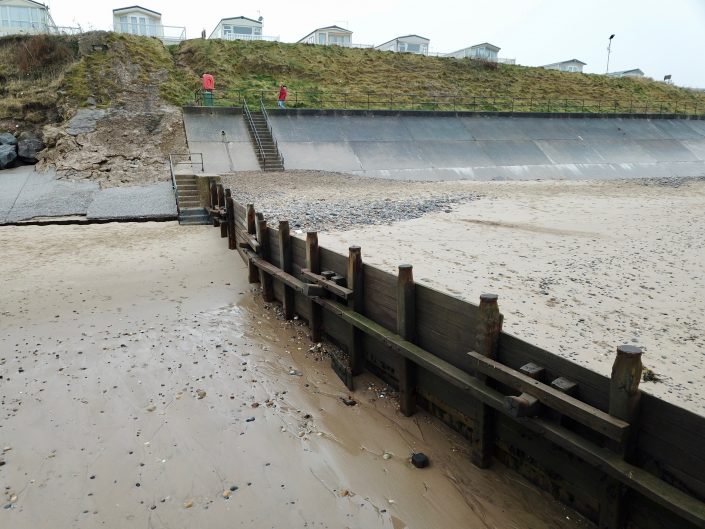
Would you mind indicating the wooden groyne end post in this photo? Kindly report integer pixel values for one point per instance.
(489, 326)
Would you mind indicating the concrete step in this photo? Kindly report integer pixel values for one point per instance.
(188, 192)
(189, 204)
(193, 216)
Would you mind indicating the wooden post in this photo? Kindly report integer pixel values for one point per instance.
(214, 193)
(232, 234)
(221, 196)
(624, 404)
(357, 358)
(285, 265)
(406, 328)
(253, 273)
(264, 278)
(224, 223)
(489, 326)
(624, 383)
(251, 220)
(313, 263)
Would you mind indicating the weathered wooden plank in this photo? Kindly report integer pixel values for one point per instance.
(549, 466)
(600, 421)
(445, 325)
(380, 297)
(288, 280)
(298, 252)
(593, 388)
(274, 247)
(327, 284)
(333, 261)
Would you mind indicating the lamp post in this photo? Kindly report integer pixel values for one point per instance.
(609, 49)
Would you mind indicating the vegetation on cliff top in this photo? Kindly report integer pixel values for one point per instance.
(44, 78)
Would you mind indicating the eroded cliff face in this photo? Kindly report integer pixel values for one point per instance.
(101, 116)
(125, 131)
(115, 146)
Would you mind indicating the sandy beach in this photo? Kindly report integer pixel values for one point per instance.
(145, 384)
(580, 267)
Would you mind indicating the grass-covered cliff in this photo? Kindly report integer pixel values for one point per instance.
(45, 78)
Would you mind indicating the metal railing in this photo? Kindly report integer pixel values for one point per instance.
(40, 29)
(174, 162)
(461, 103)
(251, 124)
(166, 34)
(271, 133)
(241, 36)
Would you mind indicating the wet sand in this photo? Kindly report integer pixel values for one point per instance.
(143, 379)
(580, 268)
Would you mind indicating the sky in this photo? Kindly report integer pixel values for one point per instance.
(659, 37)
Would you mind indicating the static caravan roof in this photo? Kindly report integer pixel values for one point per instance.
(335, 28)
(240, 18)
(402, 38)
(130, 8)
(486, 45)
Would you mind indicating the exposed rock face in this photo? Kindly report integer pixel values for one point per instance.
(8, 154)
(116, 146)
(85, 121)
(7, 139)
(28, 147)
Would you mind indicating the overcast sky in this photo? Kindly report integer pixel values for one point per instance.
(659, 36)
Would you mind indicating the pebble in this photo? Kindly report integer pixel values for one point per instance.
(348, 401)
(387, 455)
(151, 407)
(249, 419)
(188, 505)
(200, 394)
(419, 460)
(226, 494)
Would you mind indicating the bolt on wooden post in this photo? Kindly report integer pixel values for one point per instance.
(406, 328)
(355, 302)
(285, 265)
(624, 404)
(313, 263)
(489, 326)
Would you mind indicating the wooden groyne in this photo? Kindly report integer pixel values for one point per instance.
(622, 458)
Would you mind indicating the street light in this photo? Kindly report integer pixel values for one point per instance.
(609, 49)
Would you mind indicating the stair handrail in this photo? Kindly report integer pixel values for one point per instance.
(253, 129)
(271, 132)
(173, 183)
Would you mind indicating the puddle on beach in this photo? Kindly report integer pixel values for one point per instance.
(146, 383)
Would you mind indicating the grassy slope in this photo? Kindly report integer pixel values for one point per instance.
(263, 65)
(134, 66)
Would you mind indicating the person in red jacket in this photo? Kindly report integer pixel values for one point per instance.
(282, 96)
(208, 87)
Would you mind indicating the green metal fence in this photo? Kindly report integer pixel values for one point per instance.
(454, 103)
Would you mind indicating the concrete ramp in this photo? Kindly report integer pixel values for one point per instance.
(221, 135)
(426, 146)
